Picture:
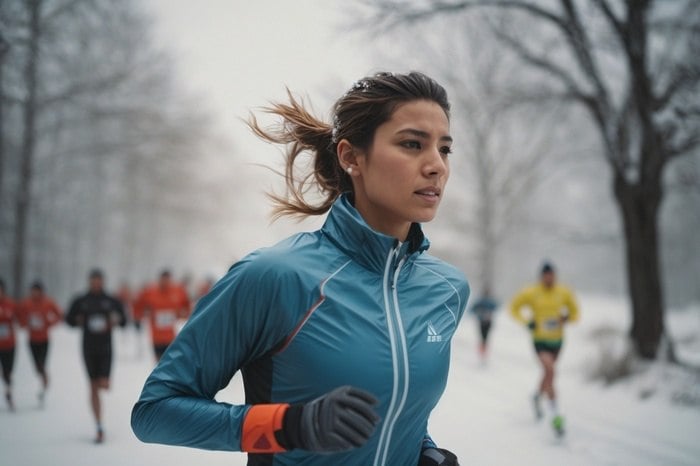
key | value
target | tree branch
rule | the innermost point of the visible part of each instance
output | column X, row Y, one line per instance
column 683, row 76
column 581, row 46
column 685, row 146
column 67, row 7
column 77, row 89
column 617, row 25
column 402, row 15
column 540, row 63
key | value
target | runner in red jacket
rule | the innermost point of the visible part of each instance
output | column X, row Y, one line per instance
column 8, row 318
column 164, row 303
column 38, row 313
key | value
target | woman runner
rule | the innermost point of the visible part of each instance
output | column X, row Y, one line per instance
column 343, row 334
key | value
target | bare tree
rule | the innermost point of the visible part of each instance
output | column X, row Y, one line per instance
column 507, row 146
column 109, row 142
column 633, row 68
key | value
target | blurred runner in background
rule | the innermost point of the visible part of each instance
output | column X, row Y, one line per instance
column 550, row 305
column 483, row 309
column 8, row 318
column 164, row 302
column 97, row 313
column 38, row 313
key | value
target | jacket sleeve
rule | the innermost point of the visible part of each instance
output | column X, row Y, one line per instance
column 230, row 327
column 55, row 314
column 571, row 306
column 428, row 442
column 516, row 304
column 138, row 306
column 73, row 313
column 21, row 312
column 121, row 313
column 14, row 305
column 186, row 304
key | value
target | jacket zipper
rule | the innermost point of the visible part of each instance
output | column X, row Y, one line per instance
column 399, row 354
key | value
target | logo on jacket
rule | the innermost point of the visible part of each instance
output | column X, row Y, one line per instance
column 433, row 335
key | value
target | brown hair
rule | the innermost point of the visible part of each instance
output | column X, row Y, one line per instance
column 368, row 104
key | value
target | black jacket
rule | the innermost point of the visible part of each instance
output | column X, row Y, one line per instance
column 96, row 313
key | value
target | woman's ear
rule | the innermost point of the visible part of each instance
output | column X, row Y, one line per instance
column 347, row 156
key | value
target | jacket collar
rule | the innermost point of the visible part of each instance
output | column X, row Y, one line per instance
column 350, row 233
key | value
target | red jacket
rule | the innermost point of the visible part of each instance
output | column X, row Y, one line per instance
column 163, row 307
column 38, row 316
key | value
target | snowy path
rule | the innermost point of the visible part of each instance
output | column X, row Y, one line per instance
column 605, row 426
column 485, row 416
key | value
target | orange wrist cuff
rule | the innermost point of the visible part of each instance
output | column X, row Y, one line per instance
column 259, row 426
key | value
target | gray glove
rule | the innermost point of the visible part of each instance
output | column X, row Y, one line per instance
column 340, row 420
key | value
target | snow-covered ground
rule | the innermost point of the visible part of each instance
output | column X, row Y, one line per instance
column 484, row 417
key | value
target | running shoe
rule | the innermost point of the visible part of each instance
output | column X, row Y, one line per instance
column 558, row 424
column 100, row 437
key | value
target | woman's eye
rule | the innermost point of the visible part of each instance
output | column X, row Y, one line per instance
column 446, row 150
column 411, row 144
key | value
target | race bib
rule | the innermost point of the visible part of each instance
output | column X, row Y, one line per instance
column 552, row 324
column 165, row 319
column 4, row 331
column 36, row 322
column 97, row 323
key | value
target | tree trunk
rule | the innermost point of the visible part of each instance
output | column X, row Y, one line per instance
column 639, row 206
column 3, row 51
column 27, row 153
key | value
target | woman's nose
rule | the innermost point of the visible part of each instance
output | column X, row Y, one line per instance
column 436, row 163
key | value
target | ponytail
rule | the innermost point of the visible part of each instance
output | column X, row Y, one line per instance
column 302, row 132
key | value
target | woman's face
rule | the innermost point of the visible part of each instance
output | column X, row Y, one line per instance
column 402, row 178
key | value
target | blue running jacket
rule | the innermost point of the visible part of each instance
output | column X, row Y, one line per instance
column 344, row 305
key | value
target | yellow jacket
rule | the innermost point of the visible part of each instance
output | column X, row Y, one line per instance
column 549, row 309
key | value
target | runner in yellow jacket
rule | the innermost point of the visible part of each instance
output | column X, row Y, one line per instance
column 550, row 306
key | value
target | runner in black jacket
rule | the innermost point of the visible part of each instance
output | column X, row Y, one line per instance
column 97, row 313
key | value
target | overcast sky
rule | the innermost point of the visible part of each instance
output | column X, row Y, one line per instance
column 241, row 54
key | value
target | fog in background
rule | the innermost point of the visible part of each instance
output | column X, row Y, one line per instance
column 152, row 166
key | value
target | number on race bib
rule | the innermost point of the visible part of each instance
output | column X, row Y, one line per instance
column 97, row 323
column 552, row 324
column 165, row 319
column 36, row 322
